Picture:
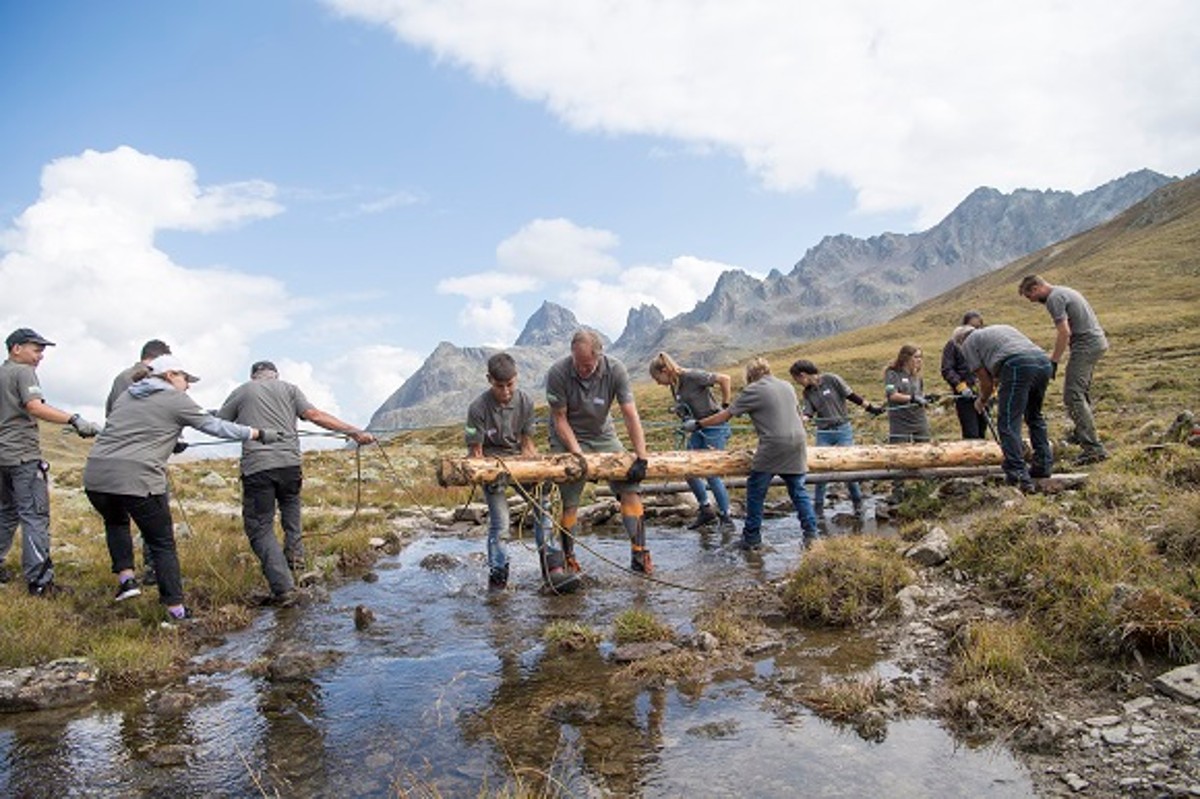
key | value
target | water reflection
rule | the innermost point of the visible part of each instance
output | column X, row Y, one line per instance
column 452, row 691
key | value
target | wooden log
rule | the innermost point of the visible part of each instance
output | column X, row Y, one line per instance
column 562, row 467
column 939, row 473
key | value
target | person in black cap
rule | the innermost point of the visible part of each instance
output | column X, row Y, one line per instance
column 962, row 381
column 24, row 484
column 120, row 385
column 271, row 473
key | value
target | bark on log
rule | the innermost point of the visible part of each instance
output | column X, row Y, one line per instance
column 563, row 468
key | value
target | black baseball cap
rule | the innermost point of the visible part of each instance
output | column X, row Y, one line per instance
column 262, row 366
column 25, row 335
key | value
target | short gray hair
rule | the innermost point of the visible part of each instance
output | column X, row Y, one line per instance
column 961, row 332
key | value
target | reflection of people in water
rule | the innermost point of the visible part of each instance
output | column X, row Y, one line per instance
column 544, row 730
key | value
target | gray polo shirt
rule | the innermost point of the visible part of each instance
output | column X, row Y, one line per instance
column 695, row 389
column 499, row 428
column 826, row 401
column 989, row 347
column 905, row 420
column 119, row 385
column 588, row 401
column 130, row 454
column 18, row 430
column 268, row 404
column 771, row 405
column 1067, row 303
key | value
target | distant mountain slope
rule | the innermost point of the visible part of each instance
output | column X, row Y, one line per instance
column 840, row 284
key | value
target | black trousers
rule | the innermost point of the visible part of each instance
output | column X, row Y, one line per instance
column 152, row 515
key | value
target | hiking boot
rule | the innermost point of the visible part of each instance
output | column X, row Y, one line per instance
column 725, row 523
column 46, row 589
column 1039, row 473
column 498, row 578
column 1088, row 458
column 639, row 561
column 181, row 619
column 750, row 546
column 706, row 517
column 128, row 589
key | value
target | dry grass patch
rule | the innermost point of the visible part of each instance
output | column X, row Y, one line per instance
column 571, row 636
column 731, row 627
column 845, row 700
column 634, row 626
column 845, row 580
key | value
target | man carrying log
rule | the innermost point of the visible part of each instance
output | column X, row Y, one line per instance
column 580, row 390
column 500, row 425
column 1002, row 354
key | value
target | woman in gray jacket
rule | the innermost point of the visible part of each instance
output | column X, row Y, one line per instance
column 126, row 472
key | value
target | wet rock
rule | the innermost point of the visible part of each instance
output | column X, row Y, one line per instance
column 1074, row 781
column 363, row 617
column 702, row 641
column 1138, row 705
column 932, row 550
column 213, row 480
column 440, row 562
column 715, row 730
column 640, row 650
column 60, row 683
column 759, row 648
column 370, row 577
column 1182, row 683
column 294, row 663
column 376, row 542
column 909, row 597
column 168, row 755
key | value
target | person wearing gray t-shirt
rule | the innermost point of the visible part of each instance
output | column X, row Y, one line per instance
column 906, row 400
column 271, row 473
column 1076, row 328
column 1002, row 355
column 580, row 390
column 782, row 448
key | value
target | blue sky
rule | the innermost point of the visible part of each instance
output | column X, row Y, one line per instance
column 340, row 185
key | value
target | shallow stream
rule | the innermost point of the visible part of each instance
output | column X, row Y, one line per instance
column 451, row 692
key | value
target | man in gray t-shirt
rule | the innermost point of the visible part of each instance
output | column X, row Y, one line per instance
column 1076, row 327
column 24, row 476
column 1002, row 355
column 271, row 472
column 581, row 389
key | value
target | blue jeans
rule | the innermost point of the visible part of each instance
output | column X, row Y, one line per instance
column 756, row 495
column 714, row 437
column 840, row 436
column 498, row 519
column 25, row 500
column 1023, row 381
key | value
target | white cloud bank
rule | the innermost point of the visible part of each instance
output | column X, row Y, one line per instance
column 81, row 267
column 913, row 104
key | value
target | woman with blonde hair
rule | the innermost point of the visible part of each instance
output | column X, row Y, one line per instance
column 771, row 405
column 906, row 400
column 692, row 391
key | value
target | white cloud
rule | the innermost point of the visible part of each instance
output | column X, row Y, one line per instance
column 493, row 319
column 80, row 266
column 913, row 104
column 675, row 288
column 366, row 376
column 550, row 248
column 485, row 285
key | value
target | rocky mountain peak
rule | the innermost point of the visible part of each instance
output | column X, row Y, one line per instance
column 549, row 324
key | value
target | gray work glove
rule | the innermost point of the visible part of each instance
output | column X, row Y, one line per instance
column 269, row 436
column 690, row 425
column 919, row 399
column 83, row 427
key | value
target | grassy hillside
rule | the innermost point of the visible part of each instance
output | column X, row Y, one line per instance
column 1141, row 273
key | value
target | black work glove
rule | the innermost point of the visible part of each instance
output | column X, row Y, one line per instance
column 269, row 436
column 1053, row 369
column 637, row 472
column 180, row 446
column 874, row 410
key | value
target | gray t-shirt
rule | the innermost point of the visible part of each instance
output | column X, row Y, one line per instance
column 695, row 391
column 119, row 385
column 588, row 401
column 771, row 405
column 499, row 428
column 906, row 421
column 990, row 346
column 826, row 401
column 18, row 430
column 268, row 404
column 1063, row 302
column 130, row 454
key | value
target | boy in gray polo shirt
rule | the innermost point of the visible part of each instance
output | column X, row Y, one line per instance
column 1077, row 327
column 271, row 473
column 581, row 389
column 24, row 476
column 500, row 425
